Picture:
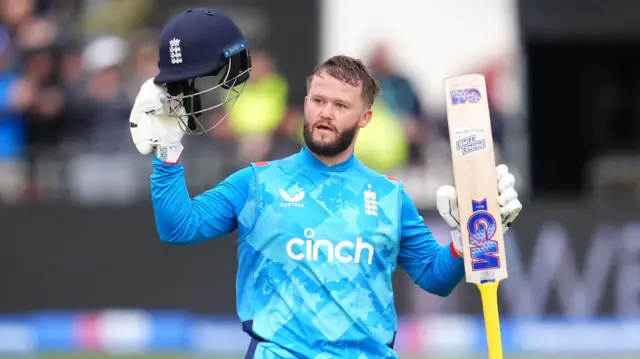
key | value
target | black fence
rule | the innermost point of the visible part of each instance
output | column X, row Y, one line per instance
column 569, row 259
column 64, row 257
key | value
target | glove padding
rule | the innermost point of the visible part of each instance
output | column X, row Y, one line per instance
column 510, row 206
column 152, row 129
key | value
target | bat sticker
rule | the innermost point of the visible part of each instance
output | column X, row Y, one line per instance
column 482, row 227
column 470, row 144
column 471, row 95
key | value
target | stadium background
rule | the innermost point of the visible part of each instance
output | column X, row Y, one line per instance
column 82, row 269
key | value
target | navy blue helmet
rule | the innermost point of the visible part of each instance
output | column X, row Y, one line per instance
column 205, row 45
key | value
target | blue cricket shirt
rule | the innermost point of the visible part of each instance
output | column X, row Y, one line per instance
column 317, row 249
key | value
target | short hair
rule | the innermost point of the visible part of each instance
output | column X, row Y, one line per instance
column 350, row 71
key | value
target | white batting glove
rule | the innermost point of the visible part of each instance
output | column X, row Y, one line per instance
column 510, row 206
column 152, row 129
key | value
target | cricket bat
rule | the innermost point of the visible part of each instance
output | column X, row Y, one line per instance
column 475, row 177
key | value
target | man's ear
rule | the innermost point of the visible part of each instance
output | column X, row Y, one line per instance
column 366, row 118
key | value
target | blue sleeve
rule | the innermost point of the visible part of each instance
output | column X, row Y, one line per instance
column 430, row 265
column 181, row 219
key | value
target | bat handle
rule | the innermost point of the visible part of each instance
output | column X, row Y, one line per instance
column 489, row 296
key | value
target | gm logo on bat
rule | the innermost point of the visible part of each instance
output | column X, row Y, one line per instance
column 482, row 227
column 471, row 95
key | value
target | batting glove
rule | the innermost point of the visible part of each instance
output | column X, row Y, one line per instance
column 152, row 129
column 510, row 206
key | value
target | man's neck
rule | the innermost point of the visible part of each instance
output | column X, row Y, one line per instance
column 334, row 160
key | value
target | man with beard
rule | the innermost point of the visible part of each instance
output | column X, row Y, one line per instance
column 319, row 234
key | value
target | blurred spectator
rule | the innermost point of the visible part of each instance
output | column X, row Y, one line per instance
column 36, row 38
column 258, row 113
column 105, row 106
column 383, row 144
column 102, row 170
column 16, row 95
column 32, row 53
column 400, row 97
column 14, row 13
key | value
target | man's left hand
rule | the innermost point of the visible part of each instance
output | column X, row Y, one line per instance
column 510, row 206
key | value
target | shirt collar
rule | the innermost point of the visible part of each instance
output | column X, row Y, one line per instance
column 314, row 162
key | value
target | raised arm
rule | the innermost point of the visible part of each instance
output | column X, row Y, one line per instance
column 183, row 220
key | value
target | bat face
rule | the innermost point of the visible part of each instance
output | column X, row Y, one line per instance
column 474, row 171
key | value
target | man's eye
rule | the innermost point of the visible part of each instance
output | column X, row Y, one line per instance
column 341, row 105
column 317, row 100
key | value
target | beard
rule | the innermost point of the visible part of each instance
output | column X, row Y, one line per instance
column 340, row 144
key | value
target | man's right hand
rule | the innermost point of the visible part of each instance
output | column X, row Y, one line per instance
column 153, row 128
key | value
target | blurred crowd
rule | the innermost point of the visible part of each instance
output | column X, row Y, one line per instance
column 70, row 71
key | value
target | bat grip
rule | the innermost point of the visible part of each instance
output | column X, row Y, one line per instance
column 489, row 296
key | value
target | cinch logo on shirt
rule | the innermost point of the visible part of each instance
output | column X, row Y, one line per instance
column 346, row 252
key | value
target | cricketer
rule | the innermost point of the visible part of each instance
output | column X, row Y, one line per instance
column 319, row 234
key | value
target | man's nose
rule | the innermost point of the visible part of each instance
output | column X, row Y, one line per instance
column 327, row 112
